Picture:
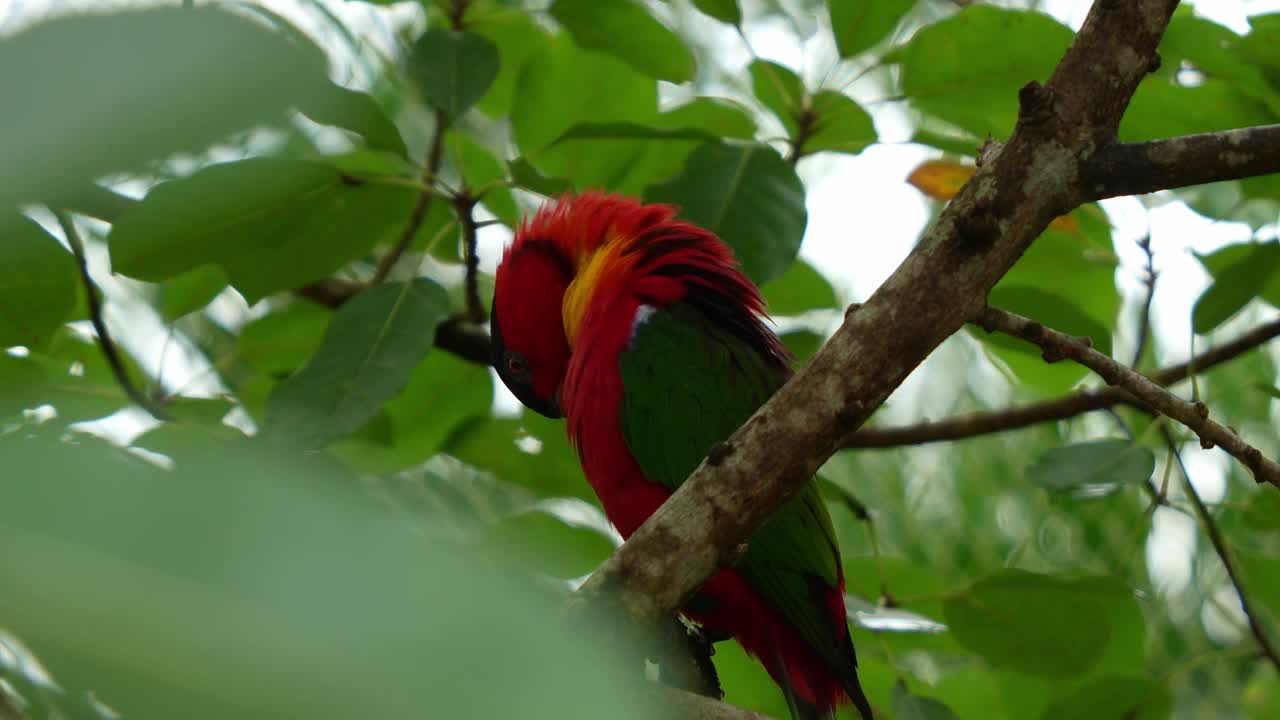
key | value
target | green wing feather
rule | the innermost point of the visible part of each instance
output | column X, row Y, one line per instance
column 687, row 386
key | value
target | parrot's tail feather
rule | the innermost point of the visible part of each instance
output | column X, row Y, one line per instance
column 853, row 689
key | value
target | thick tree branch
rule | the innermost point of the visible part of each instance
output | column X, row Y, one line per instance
column 1013, row 195
column 1139, row 168
column 1078, row 403
column 1224, row 554
column 1195, row 415
column 689, row 706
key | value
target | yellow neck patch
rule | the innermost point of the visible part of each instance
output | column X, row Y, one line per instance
column 591, row 267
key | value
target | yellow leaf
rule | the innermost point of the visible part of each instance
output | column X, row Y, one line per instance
column 940, row 179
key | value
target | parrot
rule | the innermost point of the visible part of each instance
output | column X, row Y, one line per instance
column 642, row 331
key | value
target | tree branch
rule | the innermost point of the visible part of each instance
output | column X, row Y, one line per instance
column 465, row 206
column 435, row 156
column 690, row 706
column 107, row 345
column 1224, row 554
column 1195, row 415
column 1011, row 197
column 1145, row 167
column 1078, row 403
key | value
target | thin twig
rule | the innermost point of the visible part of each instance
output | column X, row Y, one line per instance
column 1224, row 553
column 1144, row 319
column 465, row 206
column 108, row 346
column 985, row 423
column 1195, row 415
column 435, row 156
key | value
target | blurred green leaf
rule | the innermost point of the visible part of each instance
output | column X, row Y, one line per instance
column 357, row 112
column 631, row 131
column 541, row 540
column 1036, row 624
column 1211, row 49
column 443, row 393
column 38, row 282
column 1236, row 285
column 1263, row 510
column 907, row 706
column 626, row 30
column 368, row 354
column 530, row 178
column 121, row 72
column 1161, row 108
column 952, row 70
column 1111, row 696
column 1097, row 462
column 22, row 382
column 271, row 223
column 243, row 554
column 840, row 125
column 281, row 341
column 802, row 344
column 778, row 89
column 479, row 168
column 453, row 69
column 546, row 464
column 190, row 291
column 1232, row 256
column 860, row 24
column 723, row 118
column 566, row 86
column 518, row 38
column 722, row 10
column 748, row 196
column 800, row 289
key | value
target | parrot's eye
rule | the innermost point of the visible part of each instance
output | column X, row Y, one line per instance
column 517, row 367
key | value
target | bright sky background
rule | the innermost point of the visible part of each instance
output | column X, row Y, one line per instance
column 863, row 217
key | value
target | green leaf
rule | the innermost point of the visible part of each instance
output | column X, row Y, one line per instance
column 1222, row 260
column 368, row 354
column 953, row 71
column 917, row 707
column 722, row 10
column 631, row 131
column 22, row 381
column 124, row 70
column 1236, row 285
column 1263, row 510
column 778, row 89
column 723, row 118
column 748, row 196
column 626, row 30
column 1066, row 280
column 479, row 168
column 38, row 281
column 1211, row 49
column 518, row 38
column 1160, row 108
column 800, row 289
column 190, row 291
column 357, row 112
column 802, row 344
column 839, row 125
column 443, row 393
column 530, row 451
column 528, row 177
column 453, row 69
column 566, row 86
column 1111, row 696
column 542, row 541
column 271, row 223
column 1036, row 624
column 280, row 342
column 1097, row 462
column 860, row 24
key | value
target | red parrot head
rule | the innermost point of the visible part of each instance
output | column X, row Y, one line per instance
column 584, row 255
